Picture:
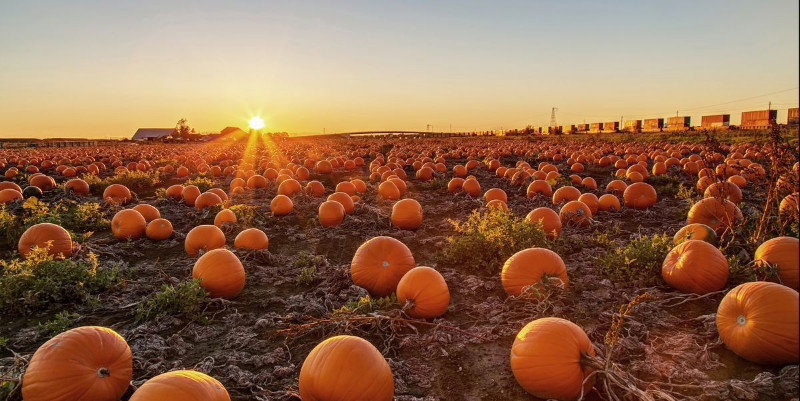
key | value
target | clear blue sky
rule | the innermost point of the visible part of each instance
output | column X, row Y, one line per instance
column 105, row 68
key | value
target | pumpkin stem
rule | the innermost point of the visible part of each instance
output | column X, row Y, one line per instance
column 103, row 372
column 408, row 305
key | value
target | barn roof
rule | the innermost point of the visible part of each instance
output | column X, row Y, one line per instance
column 154, row 133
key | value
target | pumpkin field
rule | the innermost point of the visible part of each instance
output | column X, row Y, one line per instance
column 620, row 267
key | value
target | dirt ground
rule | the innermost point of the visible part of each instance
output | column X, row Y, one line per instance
column 667, row 339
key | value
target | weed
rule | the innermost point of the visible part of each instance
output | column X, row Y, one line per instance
column 201, row 182
column 187, row 299
column 367, row 304
column 434, row 184
column 245, row 214
column 666, row 186
column 639, row 259
column 134, row 180
column 306, row 275
column 59, row 324
column 10, row 229
column 484, row 241
column 34, row 284
column 308, row 264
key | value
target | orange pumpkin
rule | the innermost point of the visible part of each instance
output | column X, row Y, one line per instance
column 759, row 322
column 46, row 235
column 639, row 195
column 566, row 194
column 8, row 195
column 454, row 185
column 407, row 214
column 281, row 205
column 128, row 224
column 724, row 190
column 589, row 199
column 330, row 213
column 695, row 267
column 608, row 202
column 546, row 359
column 203, row 237
column 149, row 212
column 575, row 213
column 788, row 209
column 379, row 264
column 695, row 231
column 207, row 199
column 616, row 187
column 181, row 385
column 159, row 229
column 344, row 199
column 251, row 238
column 45, row 183
column 783, row 254
column 345, row 368
column 220, row 272
column 346, row 187
column 10, row 185
column 539, row 187
column 495, row 194
column 174, row 192
column 77, row 186
column 719, row 214
column 548, row 218
column 289, row 187
column 531, row 268
column 225, row 216
column 86, row 363
column 388, row 190
column 117, row 194
column 471, row 187
column 426, row 291
column 190, row 194
column 315, row 188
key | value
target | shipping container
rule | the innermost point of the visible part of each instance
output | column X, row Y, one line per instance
column 715, row 121
column 582, row 128
column 554, row 130
column 653, row 125
column 792, row 118
column 611, row 127
column 759, row 119
column 633, row 126
column 568, row 129
column 595, row 128
column 680, row 123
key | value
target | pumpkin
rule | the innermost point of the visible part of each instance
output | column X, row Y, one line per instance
column 77, row 186
column 426, row 291
column 128, row 224
column 10, row 185
column 43, row 182
column 719, row 214
column 220, row 272
column 225, row 216
column 159, row 229
column 549, row 220
column 532, row 267
column 203, row 237
column 257, row 181
column 589, row 183
column 724, row 190
column 281, row 205
column 190, row 194
column 86, row 363
column 546, row 359
column 608, row 202
column 344, row 199
column 695, row 231
column 575, row 213
column 323, row 167
column 455, row 184
column 566, row 194
column 289, row 187
column 207, row 199
column 181, row 385
column 496, row 204
column 379, row 264
column 315, row 188
column 759, row 322
column 330, row 213
column 616, row 187
column 783, row 254
column 174, row 192
column 539, row 187
column 695, row 267
column 149, row 212
column 251, row 238
column 346, row 187
column 8, row 195
column 639, row 195
column 46, row 235
column 471, row 187
column 788, row 209
column 495, row 193
column 407, row 214
column 345, row 368
column 360, row 185
column 388, row 190
column 32, row 191
column 590, row 200
column 117, row 194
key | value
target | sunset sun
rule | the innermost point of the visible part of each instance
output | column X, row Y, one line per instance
column 256, row 123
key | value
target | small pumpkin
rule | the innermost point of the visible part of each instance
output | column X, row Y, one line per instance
column 759, row 322
column 281, row 205
column 549, row 220
column 181, row 385
column 719, row 214
column 174, row 192
column 426, row 291
column 149, row 212
column 379, row 264
column 344, row 199
column 252, row 239
column 345, row 368
column 128, row 224
column 159, row 229
column 315, row 188
column 407, row 214
column 575, row 213
column 220, row 272
column 608, row 202
column 695, row 267
column 203, row 237
column 77, row 186
column 88, row 363
column 532, row 267
column 45, row 235
column 783, row 254
column 117, row 194
column 695, row 231
column 330, row 213
column 225, row 216
column 189, row 194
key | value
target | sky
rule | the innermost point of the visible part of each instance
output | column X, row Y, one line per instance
column 102, row 69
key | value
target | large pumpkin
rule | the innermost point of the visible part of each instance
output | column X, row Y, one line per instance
column 546, row 359
column 46, row 235
column 427, row 291
column 77, row 186
column 532, row 267
column 86, row 363
column 783, row 254
column 220, row 272
column 575, row 213
column 207, row 199
column 252, row 239
column 117, row 194
column 281, row 205
column 719, row 214
column 181, row 385
column 549, row 220
column 330, row 213
column 407, row 214
column 639, row 195
column 345, row 368
column 759, row 322
column 203, row 237
column 128, row 224
column 695, row 266
column 379, row 264
column 696, row 231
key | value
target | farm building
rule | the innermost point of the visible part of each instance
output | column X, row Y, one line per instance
column 152, row 134
column 792, row 119
column 653, row 125
column 759, row 119
column 718, row 121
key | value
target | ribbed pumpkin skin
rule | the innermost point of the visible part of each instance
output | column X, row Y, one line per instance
column 548, row 218
column 224, row 215
column 117, row 193
column 407, row 214
column 330, row 213
column 39, row 235
column 545, row 359
column 128, row 224
column 575, row 213
column 281, row 205
column 695, row 267
column 783, row 253
column 344, row 199
column 427, row 289
column 159, row 229
column 205, row 237
column 207, row 199
column 149, row 212
column 251, row 238
column 639, row 195
column 345, row 368
column 528, row 266
column 181, row 385
column 759, row 322
column 221, row 273
column 379, row 264
column 695, row 231
column 65, row 368
column 719, row 214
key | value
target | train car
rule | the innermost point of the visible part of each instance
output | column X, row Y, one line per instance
column 632, row 126
column 653, row 125
column 678, row 123
column 595, row 128
column 568, row 129
column 792, row 118
column 715, row 122
column 582, row 128
column 759, row 119
column 611, row 127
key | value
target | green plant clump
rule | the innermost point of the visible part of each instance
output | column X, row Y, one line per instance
column 639, row 260
column 59, row 324
column 367, row 304
column 201, row 182
column 187, row 298
column 484, row 241
column 134, row 180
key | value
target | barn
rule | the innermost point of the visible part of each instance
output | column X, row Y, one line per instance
column 152, row 134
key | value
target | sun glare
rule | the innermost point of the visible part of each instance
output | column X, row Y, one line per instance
column 256, row 123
